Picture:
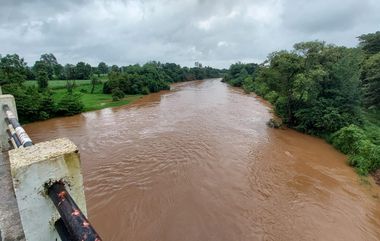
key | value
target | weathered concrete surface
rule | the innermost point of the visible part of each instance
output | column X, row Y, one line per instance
column 34, row 166
column 10, row 223
column 10, row 101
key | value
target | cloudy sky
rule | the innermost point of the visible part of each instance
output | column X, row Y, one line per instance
column 216, row 33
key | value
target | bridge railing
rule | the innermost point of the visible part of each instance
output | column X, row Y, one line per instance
column 43, row 171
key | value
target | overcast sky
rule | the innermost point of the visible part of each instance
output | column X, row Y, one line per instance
column 216, row 33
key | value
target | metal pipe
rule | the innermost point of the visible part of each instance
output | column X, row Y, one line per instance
column 77, row 225
column 20, row 132
column 12, row 133
column 11, row 140
column 61, row 230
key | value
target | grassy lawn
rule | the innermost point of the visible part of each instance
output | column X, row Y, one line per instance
column 58, row 84
column 97, row 100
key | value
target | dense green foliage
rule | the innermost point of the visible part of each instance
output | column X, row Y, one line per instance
column 240, row 75
column 323, row 90
column 152, row 77
column 70, row 104
column 136, row 79
column 31, row 104
column 363, row 154
column 370, row 44
column 12, row 69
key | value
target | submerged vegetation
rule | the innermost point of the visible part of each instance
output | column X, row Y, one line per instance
column 324, row 90
column 48, row 89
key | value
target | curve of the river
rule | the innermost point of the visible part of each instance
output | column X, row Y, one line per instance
column 199, row 163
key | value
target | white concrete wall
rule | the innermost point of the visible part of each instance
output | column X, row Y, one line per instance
column 10, row 101
column 34, row 166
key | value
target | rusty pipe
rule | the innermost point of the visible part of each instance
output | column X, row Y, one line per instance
column 77, row 225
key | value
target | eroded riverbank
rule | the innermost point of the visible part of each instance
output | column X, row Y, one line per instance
column 199, row 163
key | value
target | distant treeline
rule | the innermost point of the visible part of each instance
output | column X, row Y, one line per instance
column 37, row 103
column 153, row 77
column 323, row 89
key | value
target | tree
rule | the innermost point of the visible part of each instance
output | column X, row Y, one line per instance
column 314, row 88
column 70, row 104
column 31, row 104
column 42, row 79
column 69, row 72
column 59, row 71
column 94, row 81
column 115, row 68
column 370, row 43
column 371, row 81
column 12, row 69
column 51, row 62
column 103, row 68
column 40, row 66
column 83, row 71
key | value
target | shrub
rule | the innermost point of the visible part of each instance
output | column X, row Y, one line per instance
column 260, row 89
column 271, row 96
column 70, row 104
column 144, row 90
column 347, row 139
column 31, row 104
column 363, row 154
column 117, row 94
column 107, row 88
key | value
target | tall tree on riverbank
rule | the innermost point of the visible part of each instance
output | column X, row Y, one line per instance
column 370, row 44
column 371, row 81
column 42, row 79
column 12, row 69
column 314, row 87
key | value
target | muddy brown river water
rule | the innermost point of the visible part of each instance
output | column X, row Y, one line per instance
column 199, row 163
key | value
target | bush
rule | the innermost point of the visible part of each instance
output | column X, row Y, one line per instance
column 144, row 90
column 107, row 88
column 31, row 104
column 117, row 94
column 70, row 104
column 363, row 154
column 271, row 96
column 347, row 139
column 260, row 89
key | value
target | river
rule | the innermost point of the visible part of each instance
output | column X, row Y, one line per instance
column 198, row 163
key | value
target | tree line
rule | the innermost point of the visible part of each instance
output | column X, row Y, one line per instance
column 152, row 77
column 323, row 89
column 37, row 102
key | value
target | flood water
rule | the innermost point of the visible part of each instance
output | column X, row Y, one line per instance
column 198, row 163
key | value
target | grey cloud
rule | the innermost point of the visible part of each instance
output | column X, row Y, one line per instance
column 216, row 33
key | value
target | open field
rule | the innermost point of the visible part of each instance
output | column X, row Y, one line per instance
column 59, row 84
column 97, row 100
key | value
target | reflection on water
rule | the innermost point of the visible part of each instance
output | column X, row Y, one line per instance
column 199, row 163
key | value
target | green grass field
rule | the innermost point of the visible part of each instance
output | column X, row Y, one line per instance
column 97, row 100
column 59, row 84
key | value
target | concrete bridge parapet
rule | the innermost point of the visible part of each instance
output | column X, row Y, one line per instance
column 34, row 167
